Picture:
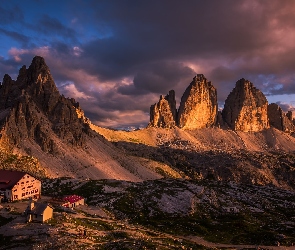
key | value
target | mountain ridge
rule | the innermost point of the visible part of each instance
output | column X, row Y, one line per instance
column 37, row 121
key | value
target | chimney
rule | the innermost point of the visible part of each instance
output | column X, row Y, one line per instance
column 31, row 204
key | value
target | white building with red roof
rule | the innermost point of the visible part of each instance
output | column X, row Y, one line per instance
column 16, row 185
column 69, row 201
column 72, row 200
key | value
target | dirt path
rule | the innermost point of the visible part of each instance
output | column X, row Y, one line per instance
column 201, row 241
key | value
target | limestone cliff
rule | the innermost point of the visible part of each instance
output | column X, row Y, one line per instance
column 280, row 120
column 163, row 113
column 198, row 107
column 245, row 108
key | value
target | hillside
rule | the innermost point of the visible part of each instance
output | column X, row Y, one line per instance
column 36, row 120
column 265, row 157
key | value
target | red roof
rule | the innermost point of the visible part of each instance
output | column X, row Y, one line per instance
column 9, row 178
column 72, row 198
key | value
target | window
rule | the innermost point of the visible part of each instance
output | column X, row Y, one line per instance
column 36, row 191
column 23, row 194
column 16, row 197
column 32, row 191
column 28, row 176
column 26, row 193
column 22, row 183
column 27, row 181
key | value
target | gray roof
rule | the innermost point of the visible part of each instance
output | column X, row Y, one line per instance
column 39, row 208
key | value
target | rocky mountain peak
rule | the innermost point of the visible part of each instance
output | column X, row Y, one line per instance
column 244, row 84
column 39, row 77
column 37, row 110
column 245, row 108
column 38, row 66
column 198, row 107
column 163, row 114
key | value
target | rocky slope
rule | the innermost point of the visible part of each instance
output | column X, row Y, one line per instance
column 245, row 108
column 37, row 121
column 223, row 212
column 159, row 214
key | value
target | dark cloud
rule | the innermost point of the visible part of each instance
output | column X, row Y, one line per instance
column 16, row 36
column 53, row 27
column 158, row 78
column 130, row 89
column 133, row 51
column 239, row 37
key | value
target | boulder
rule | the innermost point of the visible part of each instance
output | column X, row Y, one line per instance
column 245, row 108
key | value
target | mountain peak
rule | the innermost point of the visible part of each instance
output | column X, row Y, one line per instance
column 245, row 108
column 198, row 107
column 38, row 111
column 39, row 61
column 39, row 71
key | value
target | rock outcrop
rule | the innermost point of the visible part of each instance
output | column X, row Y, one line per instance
column 163, row 114
column 280, row 120
column 198, row 107
column 245, row 108
column 32, row 107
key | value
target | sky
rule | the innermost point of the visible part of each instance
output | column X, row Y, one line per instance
column 117, row 57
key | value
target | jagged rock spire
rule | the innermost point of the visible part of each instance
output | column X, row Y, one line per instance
column 163, row 114
column 36, row 110
column 280, row 120
column 198, row 107
column 245, row 108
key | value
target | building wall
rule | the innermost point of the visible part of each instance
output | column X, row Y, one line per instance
column 80, row 202
column 26, row 187
column 48, row 213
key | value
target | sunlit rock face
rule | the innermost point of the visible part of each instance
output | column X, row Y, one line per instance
column 198, row 107
column 245, row 108
column 280, row 120
column 163, row 113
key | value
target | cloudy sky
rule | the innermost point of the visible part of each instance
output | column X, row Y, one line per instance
column 117, row 57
